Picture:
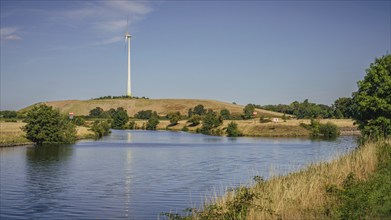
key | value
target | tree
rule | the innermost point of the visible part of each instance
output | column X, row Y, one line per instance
column 248, row 111
column 8, row 114
column 195, row 120
column 343, row 107
column 174, row 117
column 225, row 114
column 210, row 120
column 372, row 102
column 232, row 130
column 120, row 118
column 199, row 110
column 96, row 112
column 144, row 114
column 152, row 122
column 45, row 125
column 100, row 128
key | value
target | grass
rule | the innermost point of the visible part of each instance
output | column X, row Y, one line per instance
column 290, row 128
column 11, row 133
column 161, row 106
column 317, row 192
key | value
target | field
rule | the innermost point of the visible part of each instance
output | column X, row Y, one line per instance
column 161, row 106
column 11, row 133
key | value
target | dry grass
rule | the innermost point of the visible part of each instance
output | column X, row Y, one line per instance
column 11, row 133
column 161, row 106
column 301, row 195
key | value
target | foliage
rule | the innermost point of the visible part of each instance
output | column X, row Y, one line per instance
column 199, row 110
column 131, row 125
column 120, row 118
column 343, row 107
column 328, row 130
column 232, row 130
column 174, row 117
column 264, row 120
column 303, row 109
column 372, row 101
column 144, row 114
column 79, row 121
column 185, row 128
column 210, row 120
column 100, row 128
column 8, row 114
column 195, row 120
column 96, row 112
column 152, row 122
column 248, row 111
column 225, row 114
column 47, row 125
column 366, row 199
column 119, row 97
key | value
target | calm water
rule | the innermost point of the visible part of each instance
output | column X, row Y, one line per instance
column 139, row 174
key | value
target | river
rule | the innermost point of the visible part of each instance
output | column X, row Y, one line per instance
column 140, row 174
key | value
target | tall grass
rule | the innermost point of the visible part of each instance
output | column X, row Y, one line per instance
column 300, row 195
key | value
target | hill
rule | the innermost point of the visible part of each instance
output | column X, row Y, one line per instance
column 161, row 106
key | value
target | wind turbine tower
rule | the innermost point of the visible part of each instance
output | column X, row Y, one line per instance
column 127, row 38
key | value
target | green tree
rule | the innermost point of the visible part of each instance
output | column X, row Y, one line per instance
column 372, row 102
column 144, row 114
column 210, row 120
column 195, row 120
column 343, row 107
column 174, row 117
column 225, row 114
column 152, row 122
column 120, row 118
column 96, row 112
column 45, row 125
column 199, row 110
column 232, row 130
column 8, row 114
column 100, row 128
column 248, row 111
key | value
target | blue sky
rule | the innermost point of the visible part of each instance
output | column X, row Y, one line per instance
column 262, row 52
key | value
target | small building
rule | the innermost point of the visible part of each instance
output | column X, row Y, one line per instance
column 275, row 120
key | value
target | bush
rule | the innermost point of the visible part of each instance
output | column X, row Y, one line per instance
column 328, row 130
column 120, row 118
column 46, row 125
column 79, row 121
column 8, row 114
column 174, row 117
column 232, row 130
column 131, row 125
column 100, row 128
column 210, row 120
column 152, row 123
column 194, row 120
column 185, row 128
column 248, row 111
column 225, row 114
column 144, row 114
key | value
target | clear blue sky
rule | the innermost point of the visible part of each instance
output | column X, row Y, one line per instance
column 262, row 52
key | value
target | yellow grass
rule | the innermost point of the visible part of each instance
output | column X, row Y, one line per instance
column 302, row 195
column 12, row 134
column 161, row 106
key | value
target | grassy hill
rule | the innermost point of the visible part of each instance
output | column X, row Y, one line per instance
column 161, row 106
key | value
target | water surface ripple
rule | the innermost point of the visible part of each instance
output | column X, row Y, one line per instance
column 139, row 174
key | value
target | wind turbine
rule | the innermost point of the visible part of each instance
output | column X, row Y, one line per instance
column 127, row 38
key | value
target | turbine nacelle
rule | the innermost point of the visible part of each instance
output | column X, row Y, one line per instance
column 127, row 35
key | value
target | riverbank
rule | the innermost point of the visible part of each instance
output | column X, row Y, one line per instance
column 11, row 134
column 352, row 185
column 254, row 128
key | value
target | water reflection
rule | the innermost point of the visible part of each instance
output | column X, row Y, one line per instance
column 46, row 172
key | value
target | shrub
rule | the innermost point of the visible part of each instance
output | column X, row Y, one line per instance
column 152, row 123
column 144, row 114
column 225, row 114
column 174, row 117
column 195, row 120
column 100, row 128
column 232, row 130
column 47, row 125
column 120, row 118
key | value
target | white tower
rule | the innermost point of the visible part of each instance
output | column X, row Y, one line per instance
column 127, row 38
